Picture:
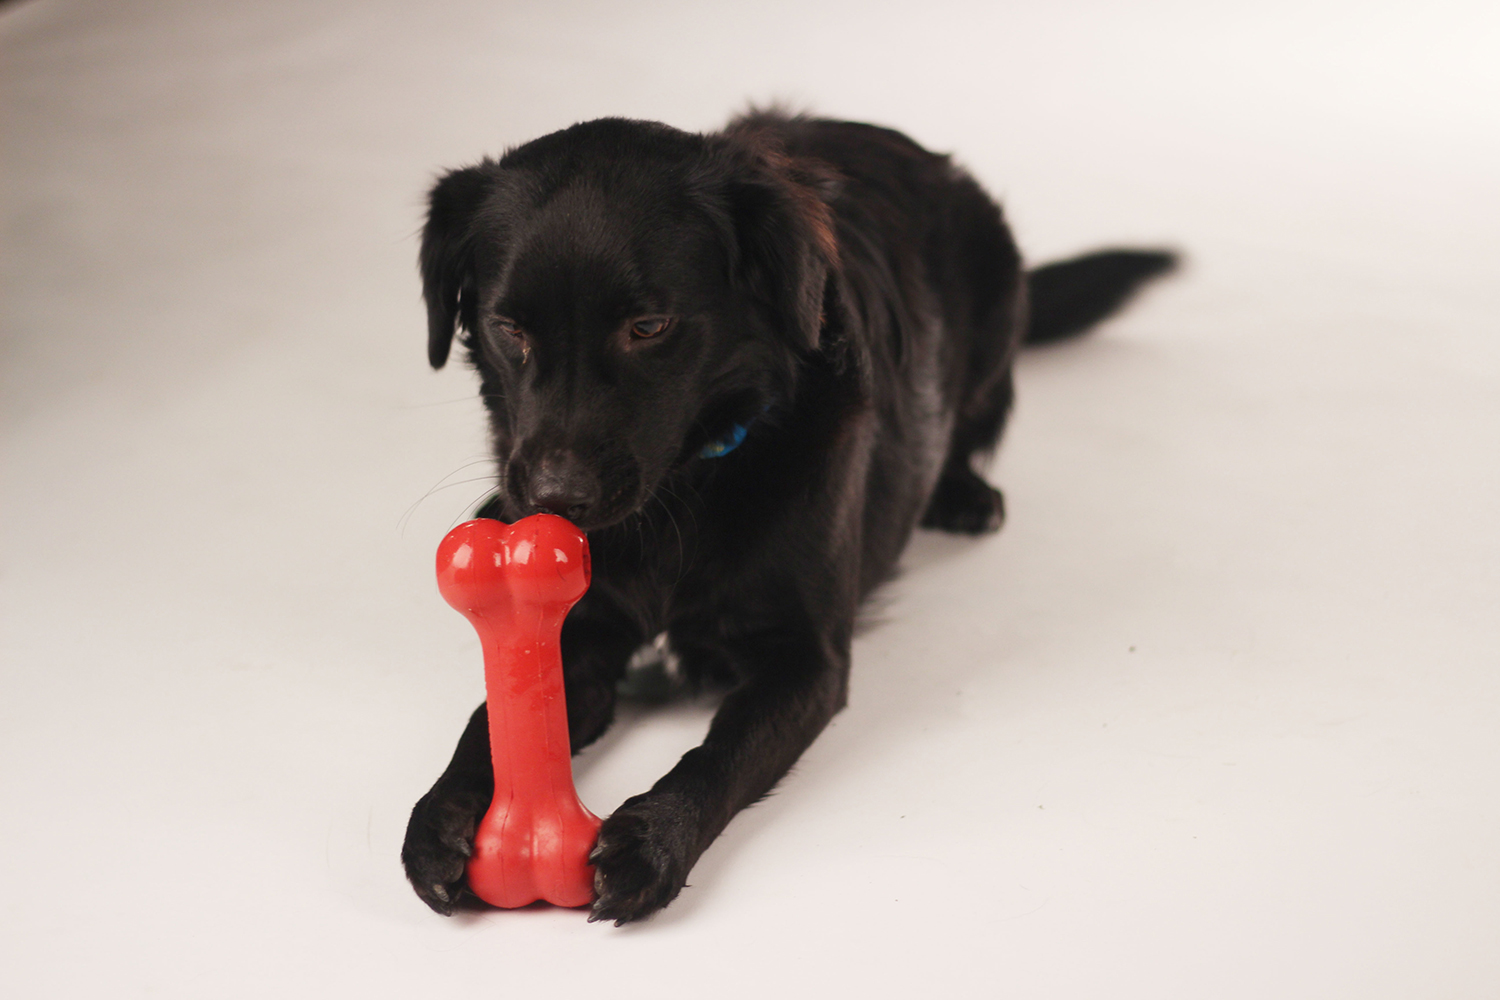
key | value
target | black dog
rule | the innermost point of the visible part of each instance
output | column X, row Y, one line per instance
column 748, row 364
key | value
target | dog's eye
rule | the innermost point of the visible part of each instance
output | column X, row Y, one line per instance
column 654, row 326
column 509, row 327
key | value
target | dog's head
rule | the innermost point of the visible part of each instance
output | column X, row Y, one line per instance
column 629, row 293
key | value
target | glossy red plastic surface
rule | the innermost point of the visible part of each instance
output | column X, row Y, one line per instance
column 515, row 584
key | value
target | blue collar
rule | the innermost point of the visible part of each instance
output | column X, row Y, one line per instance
column 724, row 445
column 731, row 439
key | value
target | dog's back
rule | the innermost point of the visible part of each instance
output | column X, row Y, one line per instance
column 931, row 288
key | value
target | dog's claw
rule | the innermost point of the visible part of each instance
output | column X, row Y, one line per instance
column 460, row 845
column 641, row 860
column 439, row 842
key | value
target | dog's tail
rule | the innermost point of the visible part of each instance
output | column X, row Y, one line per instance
column 1072, row 295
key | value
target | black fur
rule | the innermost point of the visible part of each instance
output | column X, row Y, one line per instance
column 1072, row 295
column 853, row 299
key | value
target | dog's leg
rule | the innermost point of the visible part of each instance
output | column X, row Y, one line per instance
column 649, row 845
column 596, row 648
column 440, row 833
column 439, row 837
column 963, row 502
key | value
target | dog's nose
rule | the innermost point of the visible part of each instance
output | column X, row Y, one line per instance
column 561, row 484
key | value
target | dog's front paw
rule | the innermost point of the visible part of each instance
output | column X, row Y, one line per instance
column 964, row 503
column 642, row 858
column 439, row 841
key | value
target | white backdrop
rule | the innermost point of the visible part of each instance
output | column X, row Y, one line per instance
column 1217, row 714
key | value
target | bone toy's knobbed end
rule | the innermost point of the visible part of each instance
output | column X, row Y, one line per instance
column 543, row 559
column 470, row 568
column 551, row 555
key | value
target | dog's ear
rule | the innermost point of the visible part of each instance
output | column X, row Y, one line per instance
column 783, row 246
column 447, row 255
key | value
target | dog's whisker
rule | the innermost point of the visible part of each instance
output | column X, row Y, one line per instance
column 440, row 402
column 441, row 484
column 475, row 504
column 681, row 546
column 682, row 560
column 688, row 508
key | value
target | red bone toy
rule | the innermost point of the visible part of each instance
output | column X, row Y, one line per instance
column 515, row 584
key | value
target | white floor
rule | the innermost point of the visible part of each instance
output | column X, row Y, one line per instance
column 1217, row 715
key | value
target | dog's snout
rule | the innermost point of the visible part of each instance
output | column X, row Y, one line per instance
column 562, row 484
